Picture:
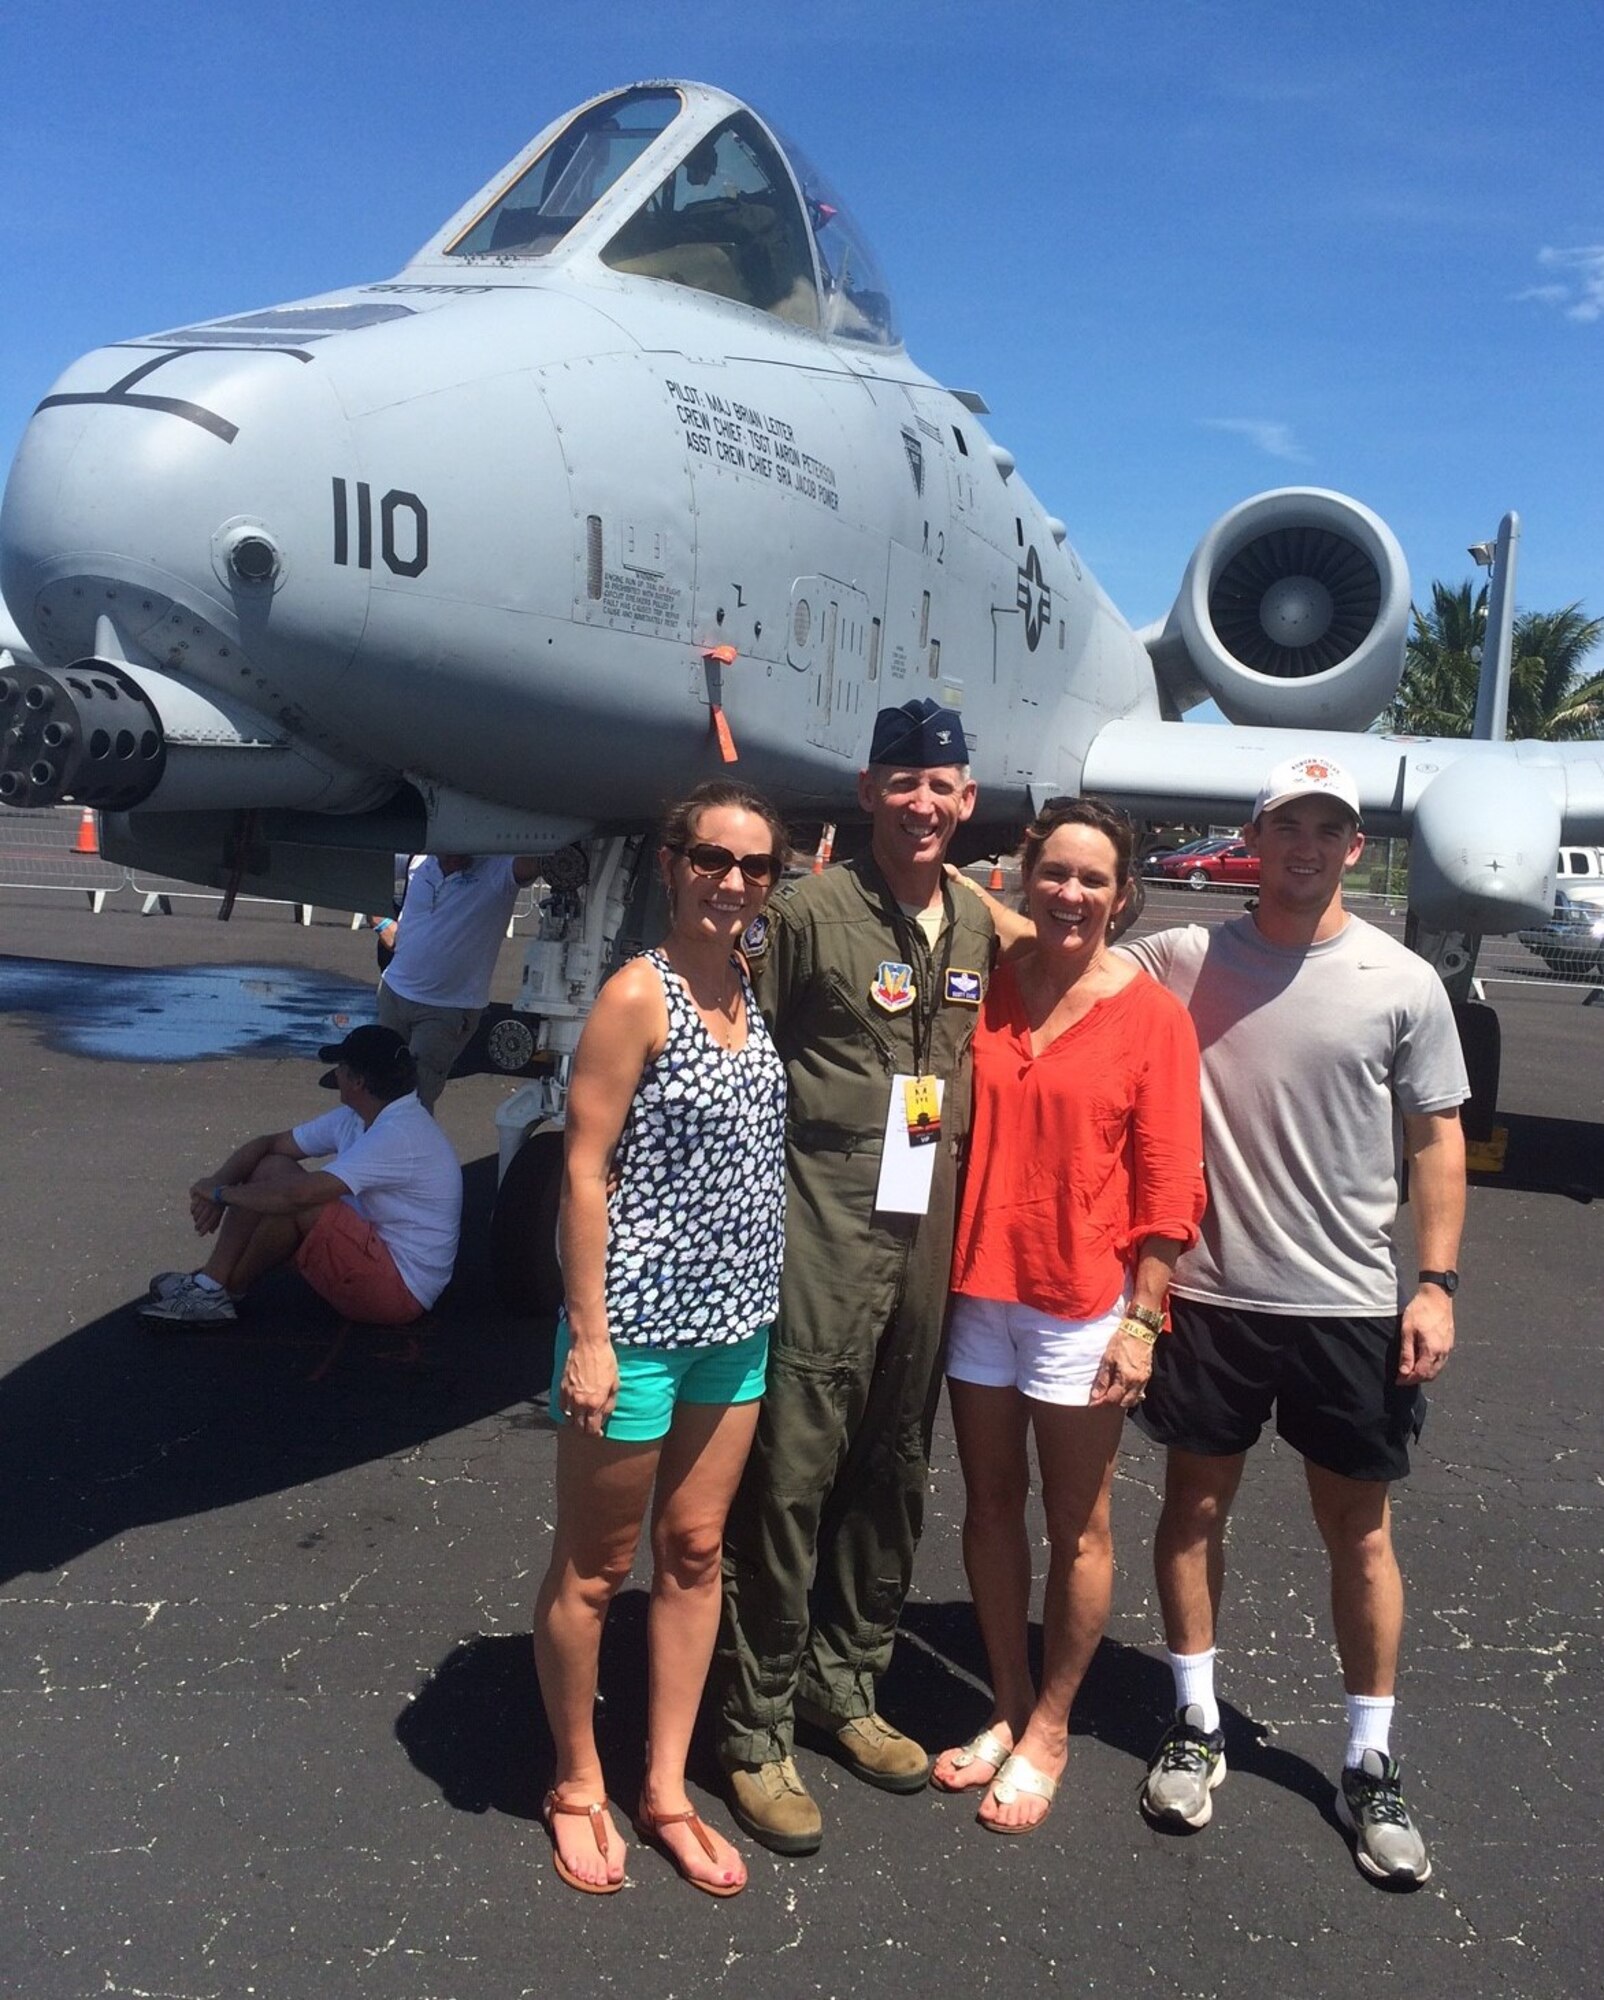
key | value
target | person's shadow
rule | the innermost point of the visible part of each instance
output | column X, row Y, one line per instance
column 477, row 1728
column 115, row 1426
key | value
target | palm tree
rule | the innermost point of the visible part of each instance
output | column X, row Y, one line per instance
column 1550, row 697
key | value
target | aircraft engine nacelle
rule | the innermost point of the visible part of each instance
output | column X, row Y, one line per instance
column 1293, row 614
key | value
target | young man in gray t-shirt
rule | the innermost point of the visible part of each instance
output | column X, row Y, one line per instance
column 1320, row 1037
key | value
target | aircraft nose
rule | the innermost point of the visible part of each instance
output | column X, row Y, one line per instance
column 183, row 494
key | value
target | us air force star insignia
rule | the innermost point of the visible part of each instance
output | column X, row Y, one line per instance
column 964, row 988
column 893, row 988
column 755, row 939
column 1035, row 598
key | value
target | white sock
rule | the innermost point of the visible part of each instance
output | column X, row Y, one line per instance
column 1369, row 1723
column 1194, row 1684
column 207, row 1284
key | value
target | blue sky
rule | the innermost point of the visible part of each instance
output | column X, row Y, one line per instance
column 1186, row 250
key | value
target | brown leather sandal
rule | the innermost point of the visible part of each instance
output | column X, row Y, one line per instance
column 649, row 1826
column 598, row 1827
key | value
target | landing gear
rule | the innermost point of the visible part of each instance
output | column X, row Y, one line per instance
column 510, row 1045
column 1453, row 955
column 596, row 900
column 523, row 1228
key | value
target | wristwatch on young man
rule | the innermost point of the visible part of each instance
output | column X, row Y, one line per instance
column 1448, row 1281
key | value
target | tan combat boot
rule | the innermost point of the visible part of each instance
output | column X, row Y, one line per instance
column 870, row 1748
column 773, row 1805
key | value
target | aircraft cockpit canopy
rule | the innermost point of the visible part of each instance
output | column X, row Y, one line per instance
column 731, row 217
column 562, row 184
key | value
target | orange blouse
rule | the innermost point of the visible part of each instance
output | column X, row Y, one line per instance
column 1079, row 1153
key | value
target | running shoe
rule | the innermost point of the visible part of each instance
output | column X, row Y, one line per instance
column 191, row 1304
column 1186, row 1767
column 1386, row 1842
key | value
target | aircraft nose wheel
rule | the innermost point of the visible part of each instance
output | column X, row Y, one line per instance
column 523, row 1228
column 510, row 1045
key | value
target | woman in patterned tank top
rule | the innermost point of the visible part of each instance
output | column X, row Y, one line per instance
column 671, row 1233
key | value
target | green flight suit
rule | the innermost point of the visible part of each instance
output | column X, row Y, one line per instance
column 820, row 1542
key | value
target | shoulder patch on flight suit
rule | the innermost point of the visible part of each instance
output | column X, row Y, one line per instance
column 755, row 938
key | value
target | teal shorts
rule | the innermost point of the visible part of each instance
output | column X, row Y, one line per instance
column 651, row 1380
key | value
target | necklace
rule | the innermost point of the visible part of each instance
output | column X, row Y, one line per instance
column 722, row 1016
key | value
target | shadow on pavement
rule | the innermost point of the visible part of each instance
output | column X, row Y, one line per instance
column 114, row 1427
column 1549, row 1156
column 477, row 1729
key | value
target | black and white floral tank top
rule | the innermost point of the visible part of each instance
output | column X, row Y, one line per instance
column 696, row 1216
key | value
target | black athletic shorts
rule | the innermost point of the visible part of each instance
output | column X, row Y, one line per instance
column 1332, row 1383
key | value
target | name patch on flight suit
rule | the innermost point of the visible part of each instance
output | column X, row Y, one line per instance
column 965, row 989
column 893, row 990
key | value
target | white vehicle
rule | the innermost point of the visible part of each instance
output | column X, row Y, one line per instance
column 1580, row 874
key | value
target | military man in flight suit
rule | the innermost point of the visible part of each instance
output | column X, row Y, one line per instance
column 871, row 977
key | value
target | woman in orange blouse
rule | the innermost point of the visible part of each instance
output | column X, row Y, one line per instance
column 1084, row 1185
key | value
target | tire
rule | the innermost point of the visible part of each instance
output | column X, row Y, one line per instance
column 1481, row 1040
column 523, row 1229
column 1197, row 879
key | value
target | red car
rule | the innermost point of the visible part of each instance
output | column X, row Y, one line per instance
column 1231, row 865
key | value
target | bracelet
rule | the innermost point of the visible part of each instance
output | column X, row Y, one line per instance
column 1149, row 1316
column 217, row 1196
column 1134, row 1329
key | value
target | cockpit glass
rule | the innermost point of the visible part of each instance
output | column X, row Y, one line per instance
column 726, row 221
column 857, row 305
column 567, row 180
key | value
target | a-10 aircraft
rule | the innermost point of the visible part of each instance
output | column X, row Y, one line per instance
column 626, row 478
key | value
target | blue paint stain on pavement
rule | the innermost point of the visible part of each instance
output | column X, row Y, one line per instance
column 186, row 1013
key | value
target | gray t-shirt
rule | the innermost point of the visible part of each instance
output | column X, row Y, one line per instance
column 1309, row 1058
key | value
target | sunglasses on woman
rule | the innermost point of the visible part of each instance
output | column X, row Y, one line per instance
column 707, row 859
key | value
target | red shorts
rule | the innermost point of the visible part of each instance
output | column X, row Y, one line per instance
column 345, row 1260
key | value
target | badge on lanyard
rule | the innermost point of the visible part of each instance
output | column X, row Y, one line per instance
column 921, row 1100
column 893, row 990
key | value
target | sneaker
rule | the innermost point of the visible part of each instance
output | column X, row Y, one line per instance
column 870, row 1748
column 1386, row 1842
column 165, row 1283
column 191, row 1304
column 774, row 1806
column 1186, row 1767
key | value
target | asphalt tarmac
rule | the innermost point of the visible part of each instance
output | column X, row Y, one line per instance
column 272, row 1728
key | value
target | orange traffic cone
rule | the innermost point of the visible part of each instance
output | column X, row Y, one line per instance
column 88, row 841
column 995, row 885
column 826, row 847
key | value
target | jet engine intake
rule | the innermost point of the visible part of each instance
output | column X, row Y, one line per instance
column 1293, row 613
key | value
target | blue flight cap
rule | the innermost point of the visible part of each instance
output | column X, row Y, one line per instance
column 919, row 736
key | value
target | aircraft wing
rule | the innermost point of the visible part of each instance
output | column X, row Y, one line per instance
column 1485, row 820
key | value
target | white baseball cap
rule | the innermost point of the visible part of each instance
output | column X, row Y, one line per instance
column 1307, row 777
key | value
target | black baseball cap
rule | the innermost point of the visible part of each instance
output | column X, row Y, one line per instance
column 377, row 1055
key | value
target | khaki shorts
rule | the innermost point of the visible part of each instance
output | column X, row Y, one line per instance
column 345, row 1260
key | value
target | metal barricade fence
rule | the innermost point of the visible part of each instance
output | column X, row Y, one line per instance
column 55, row 851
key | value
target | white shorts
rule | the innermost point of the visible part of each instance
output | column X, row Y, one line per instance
column 1003, row 1346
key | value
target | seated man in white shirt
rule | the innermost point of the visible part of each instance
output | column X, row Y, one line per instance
column 374, row 1231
